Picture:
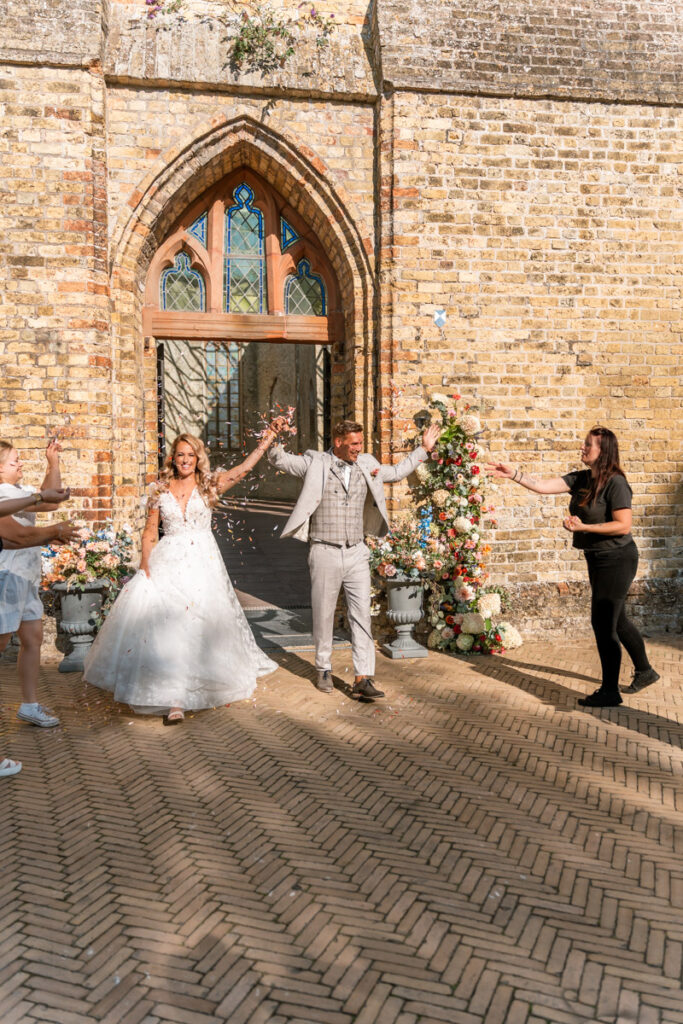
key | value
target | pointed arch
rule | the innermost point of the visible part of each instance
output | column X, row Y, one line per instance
column 313, row 200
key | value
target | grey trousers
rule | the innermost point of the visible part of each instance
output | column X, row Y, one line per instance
column 332, row 568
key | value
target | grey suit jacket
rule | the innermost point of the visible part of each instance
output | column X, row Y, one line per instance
column 314, row 468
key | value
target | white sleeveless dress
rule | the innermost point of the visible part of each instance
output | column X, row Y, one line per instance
column 179, row 638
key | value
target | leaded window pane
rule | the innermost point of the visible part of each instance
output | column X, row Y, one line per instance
column 198, row 228
column 223, row 427
column 305, row 292
column 182, row 288
column 244, row 270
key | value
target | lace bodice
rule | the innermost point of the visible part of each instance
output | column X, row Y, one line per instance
column 197, row 513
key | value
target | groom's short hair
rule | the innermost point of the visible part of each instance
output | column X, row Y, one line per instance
column 345, row 427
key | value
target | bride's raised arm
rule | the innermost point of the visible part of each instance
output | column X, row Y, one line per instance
column 229, row 477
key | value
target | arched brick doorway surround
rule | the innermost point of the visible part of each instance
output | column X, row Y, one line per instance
column 177, row 179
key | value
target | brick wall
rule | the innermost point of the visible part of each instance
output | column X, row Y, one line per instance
column 623, row 50
column 550, row 233
column 54, row 333
column 518, row 168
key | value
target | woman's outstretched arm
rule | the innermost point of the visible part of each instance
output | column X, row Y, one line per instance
column 228, row 478
column 540, row 485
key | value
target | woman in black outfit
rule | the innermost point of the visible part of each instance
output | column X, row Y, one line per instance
column 600, row 520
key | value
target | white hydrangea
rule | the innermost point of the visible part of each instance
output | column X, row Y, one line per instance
column 489, row 605
column 439, row 398
column 434, row 639
column 473, row 622
column 462, row 524
column 422, row 472
column 440, row 497
column 470, row 424
column 511, row 636
column 464, row 642
column 463, row 502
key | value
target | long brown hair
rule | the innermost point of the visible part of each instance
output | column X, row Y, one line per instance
column 206, row 480
column 606, row 466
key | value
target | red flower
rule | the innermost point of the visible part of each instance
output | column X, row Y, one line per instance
column 474, row 470
column 450, row 619
column 498, row 638
column 457, row 629
column 458, row 461
column 443, row 516
column 374, row 472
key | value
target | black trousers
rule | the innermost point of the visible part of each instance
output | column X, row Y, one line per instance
column 611, row 573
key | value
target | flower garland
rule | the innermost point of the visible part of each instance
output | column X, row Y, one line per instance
column 463, row 610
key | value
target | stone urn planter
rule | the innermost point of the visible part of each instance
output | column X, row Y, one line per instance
column 80, row 610
column 404, row 611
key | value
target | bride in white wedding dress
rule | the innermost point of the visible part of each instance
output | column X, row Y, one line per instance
column 176, row 638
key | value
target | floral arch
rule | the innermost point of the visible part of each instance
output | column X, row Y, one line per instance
column 240, row 264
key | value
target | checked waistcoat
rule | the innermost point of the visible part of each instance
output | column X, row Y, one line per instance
column 338, row 518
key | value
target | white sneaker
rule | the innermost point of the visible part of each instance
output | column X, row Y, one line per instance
column 36, row 714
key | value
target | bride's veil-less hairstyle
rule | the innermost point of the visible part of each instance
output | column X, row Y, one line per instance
column 607, row 464
column 206, row 480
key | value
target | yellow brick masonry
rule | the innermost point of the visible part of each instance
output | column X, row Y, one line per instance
column 550, row 232
column 55, row 356
column 549, row 229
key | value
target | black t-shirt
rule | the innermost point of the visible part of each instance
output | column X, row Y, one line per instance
column 615, row 494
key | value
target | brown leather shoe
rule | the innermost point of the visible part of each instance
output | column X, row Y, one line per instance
column 365, row 687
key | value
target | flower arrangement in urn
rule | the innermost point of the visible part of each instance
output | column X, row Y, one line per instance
column 464, row 612
column 98, row 553
column 408, row 552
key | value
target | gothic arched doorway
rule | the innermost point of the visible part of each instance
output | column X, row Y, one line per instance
column 243, row 305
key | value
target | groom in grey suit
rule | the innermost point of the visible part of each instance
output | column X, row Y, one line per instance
column 342, row 500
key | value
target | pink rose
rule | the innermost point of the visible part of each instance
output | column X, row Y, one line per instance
column 390, row 570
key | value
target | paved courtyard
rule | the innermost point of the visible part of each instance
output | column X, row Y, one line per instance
column 473, row 849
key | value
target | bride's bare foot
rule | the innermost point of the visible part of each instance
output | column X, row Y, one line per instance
column 175, row 715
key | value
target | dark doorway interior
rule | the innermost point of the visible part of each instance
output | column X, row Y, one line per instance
column 219, row 391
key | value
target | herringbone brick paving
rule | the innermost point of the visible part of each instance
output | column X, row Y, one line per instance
column 476, row 849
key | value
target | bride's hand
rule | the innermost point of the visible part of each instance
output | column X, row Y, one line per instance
column 277, row 424
column 144, row 567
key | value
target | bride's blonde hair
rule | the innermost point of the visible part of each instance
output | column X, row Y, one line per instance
column 206, row 480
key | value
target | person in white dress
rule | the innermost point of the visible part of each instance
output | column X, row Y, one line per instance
column 10, row 507
column 21, row 609
column 176, row 638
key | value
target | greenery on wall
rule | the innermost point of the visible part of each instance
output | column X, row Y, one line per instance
column 260, row 38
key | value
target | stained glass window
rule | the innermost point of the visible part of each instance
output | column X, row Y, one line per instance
column 244, row 274
column 198, row 228
column 288, row 235
column 305, row 292
column 223, row 426
column 182, row 288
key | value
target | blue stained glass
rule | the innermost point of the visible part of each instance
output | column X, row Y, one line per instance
column 182, row 288
column 198, row 228
column 287, row 234
column 244, row 273
column 305, row 292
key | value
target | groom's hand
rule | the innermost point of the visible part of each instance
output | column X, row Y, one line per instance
column 430, row 437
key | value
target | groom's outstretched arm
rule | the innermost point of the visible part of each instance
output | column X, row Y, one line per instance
column 295, row 465
column 408, row 465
